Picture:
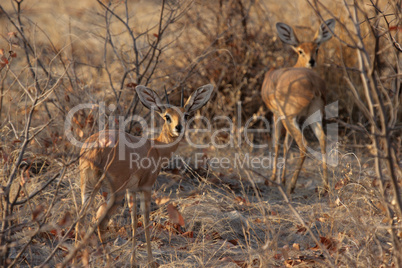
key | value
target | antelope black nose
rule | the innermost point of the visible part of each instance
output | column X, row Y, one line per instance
column 311, row 62
column 179, row 128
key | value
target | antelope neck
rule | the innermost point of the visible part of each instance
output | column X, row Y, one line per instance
column 166, row 139
column 299, row 64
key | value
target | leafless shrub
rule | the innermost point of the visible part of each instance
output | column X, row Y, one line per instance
column 97, row 53
column 377, row 96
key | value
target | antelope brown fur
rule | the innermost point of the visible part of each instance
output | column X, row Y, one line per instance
column 294, row 92
column 106, row 158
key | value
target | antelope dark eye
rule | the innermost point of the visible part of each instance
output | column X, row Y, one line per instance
column 168, row 119
column 300, row 52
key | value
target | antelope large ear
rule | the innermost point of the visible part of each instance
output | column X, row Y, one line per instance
column 286, row 34
column 325, row 31
column 150, row 99
column 199, row 98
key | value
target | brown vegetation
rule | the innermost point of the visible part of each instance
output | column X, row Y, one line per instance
column 56, row 55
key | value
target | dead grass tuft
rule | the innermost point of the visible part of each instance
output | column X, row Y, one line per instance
column 74, row 52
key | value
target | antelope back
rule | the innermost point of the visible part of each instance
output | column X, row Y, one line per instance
column 289, row 91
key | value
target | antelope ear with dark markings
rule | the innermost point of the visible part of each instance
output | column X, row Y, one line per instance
column 199, row 98
column 286, row 34
column 325, row 31
column 150, row 99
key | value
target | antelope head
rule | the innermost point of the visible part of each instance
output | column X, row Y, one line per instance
column 175, row 117
column 307, row 51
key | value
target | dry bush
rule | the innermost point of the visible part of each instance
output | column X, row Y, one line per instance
column 224, row 42
column 92, row 52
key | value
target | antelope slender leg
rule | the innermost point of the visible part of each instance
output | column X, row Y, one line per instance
column 103, row 215
column 319, row 133
column 286, row 145
column 292, row 184
column 292, row 127
column 146, row 202
column 277, row 135
column 132, row 201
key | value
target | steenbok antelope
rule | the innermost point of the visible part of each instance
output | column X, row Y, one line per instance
column 297, row 91
column 118, row 161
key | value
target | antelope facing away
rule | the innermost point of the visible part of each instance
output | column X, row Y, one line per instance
column 118, row 161
column 297, row 91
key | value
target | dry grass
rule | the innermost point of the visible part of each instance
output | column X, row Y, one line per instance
column 228, row 222
column 232, row 217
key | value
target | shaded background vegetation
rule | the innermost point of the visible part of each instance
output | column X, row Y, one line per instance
column 58, row 54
